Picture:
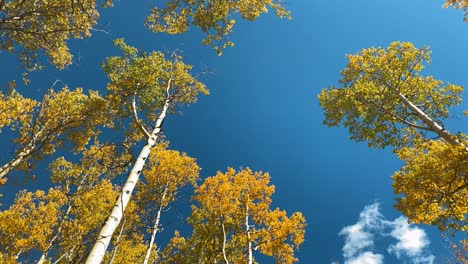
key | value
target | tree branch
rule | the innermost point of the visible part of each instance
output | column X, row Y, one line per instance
column 137, row 121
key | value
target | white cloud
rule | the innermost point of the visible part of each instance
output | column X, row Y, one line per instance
column 359, row 239
column 412, row 241
column 366, row 258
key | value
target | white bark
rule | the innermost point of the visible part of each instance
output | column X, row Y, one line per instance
column 102, row 243
column 24, row 153
column 429, row 122
column 6, row 168
column 247, row 227
column 224, row 245
column 155, row 229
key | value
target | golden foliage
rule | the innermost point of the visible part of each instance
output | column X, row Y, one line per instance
column 214, row 18
column 31, row 27
column 225, row 201
column 15, row 110
column 458, row 4
column 434, row 185
column 62, row 118
column 167, row 172
column 30, row 221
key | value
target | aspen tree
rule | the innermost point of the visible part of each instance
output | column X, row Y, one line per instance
column 233, row 219
column 167, row 172
column 158, row 85
column 58, row 222
column 385, row 100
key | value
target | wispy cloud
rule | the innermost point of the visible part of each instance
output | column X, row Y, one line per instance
column 360, row 237
column 366, row 258
column 411, row 242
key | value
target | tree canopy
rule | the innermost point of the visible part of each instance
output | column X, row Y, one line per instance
column 385, row 100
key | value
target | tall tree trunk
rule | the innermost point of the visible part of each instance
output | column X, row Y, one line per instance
column 436, row 128
column 102, row 243
column 247, row 227
column 155, row 228
column 224, row 245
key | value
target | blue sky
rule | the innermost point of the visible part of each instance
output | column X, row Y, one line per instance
column 263, row 112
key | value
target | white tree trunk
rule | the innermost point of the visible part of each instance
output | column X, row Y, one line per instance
column 102, row 243
column 224, row 245
column 247, row 227
column 24, row 153
column 6, row 168
column 155, row 228
column 436, row 128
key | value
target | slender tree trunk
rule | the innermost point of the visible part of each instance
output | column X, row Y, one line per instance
column 116, row 247
column 6, row 168
column 102, row 243
column 67, row 254
column 24, row 153
column 52, row 241
column 224, row 245
column 247, row 227
column 155, row 228
column 436, row 128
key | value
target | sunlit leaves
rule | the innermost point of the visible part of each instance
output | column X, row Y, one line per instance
column 15, row 110
column 458, row 4
column 377, row 86
column 65, row 218
column 226, row 201
column 29, row 28
column 62, row 119
column 150, row 78
column 167, row 171
column 30, row 221
column 434, row 185
column 214, row 18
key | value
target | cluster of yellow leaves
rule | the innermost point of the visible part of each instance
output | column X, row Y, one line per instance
column 15, row 109
column 96, row 161
column 62, row 118
column 434, row 183
column 67, row 113
column 458, row 4
column 130, row 249
column 29, row 222
column 214, row 18
column 167, row 172
column 70, row 214
column 225, row 201
column 30, row 27
column 369, row 102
